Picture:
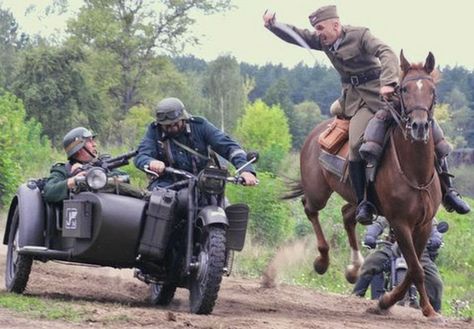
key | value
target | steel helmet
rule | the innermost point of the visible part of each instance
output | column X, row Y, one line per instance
column 75, row 140
column 170, row 110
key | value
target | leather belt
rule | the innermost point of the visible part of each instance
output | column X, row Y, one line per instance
column 360, row 78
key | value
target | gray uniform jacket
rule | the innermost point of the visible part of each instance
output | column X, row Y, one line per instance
column 200, row 135
column 359, row 52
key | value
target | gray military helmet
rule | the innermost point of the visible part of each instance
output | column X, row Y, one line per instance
column 75, row 140
column 170, row 110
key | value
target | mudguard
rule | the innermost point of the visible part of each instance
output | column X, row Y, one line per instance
column 212, row 215
column 30, row 204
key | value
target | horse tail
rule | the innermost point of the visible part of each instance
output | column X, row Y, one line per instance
column 295, row 190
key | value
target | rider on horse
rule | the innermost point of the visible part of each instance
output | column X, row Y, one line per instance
column 368, row 69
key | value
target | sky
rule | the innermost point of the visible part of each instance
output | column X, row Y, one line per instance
column 417, row 26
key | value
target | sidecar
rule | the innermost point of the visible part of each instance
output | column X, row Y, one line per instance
column 91, row 228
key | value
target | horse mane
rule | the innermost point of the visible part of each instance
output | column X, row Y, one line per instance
column 435, row 74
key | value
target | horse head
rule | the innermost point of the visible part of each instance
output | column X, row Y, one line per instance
column 417, row 97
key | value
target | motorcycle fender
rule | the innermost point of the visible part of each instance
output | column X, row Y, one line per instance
column 32, row 217
column 212, row 215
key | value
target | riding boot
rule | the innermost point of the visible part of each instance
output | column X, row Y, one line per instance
column 451, row 198
column 365, row 210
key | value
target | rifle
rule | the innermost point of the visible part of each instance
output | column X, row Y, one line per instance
column 107, row 163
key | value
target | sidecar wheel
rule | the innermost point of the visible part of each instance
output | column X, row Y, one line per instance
column 205, row 282
column 162, row 294
column 18, row 267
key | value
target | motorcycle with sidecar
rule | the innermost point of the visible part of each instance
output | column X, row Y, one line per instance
column 182, row 236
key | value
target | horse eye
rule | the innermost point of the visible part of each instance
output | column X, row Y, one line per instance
column 404, row 89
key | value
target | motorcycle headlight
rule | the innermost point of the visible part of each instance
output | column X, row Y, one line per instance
column 96, row 178
column 212, row 180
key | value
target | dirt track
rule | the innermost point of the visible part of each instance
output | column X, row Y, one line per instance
column 113, row 299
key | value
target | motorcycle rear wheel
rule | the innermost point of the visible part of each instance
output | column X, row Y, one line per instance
column 205, row 282
column 17, row 267
column 162, row 294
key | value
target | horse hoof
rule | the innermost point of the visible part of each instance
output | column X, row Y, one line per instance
column 351, row 274
column 320, row 266
column 437, row 318
column 377, row 311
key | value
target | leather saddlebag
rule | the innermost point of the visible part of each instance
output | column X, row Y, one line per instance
column 334, row 137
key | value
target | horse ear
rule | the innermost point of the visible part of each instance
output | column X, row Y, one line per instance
column 429, row 63
column 404, row 65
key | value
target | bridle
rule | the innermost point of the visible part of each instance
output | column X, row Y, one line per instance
column 403, row 89
column 402, row 117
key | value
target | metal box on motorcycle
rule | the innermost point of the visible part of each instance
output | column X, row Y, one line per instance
column 158, row 223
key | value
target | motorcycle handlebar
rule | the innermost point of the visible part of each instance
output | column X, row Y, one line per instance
column 170, row 170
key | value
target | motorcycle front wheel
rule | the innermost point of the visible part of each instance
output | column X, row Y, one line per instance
column 206, row 280
column 162, row 294
column 18, row 267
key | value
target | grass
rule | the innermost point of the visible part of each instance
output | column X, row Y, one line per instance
column 41, row 308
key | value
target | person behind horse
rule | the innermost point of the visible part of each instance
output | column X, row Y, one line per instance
column 81, row 149
column 182, row 141
column 378, row 260
column 368, row 69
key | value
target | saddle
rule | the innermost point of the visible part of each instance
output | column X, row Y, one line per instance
column 334, row 143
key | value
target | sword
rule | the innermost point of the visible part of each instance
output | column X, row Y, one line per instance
column 293, row 35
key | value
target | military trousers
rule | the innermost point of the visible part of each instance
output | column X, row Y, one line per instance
column 357, row 126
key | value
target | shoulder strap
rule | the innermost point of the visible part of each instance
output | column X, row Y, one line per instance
column 190, row 150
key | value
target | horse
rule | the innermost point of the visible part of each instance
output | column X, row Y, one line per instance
column 407, row 186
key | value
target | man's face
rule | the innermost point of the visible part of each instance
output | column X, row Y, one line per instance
column 91, row 146
column 327, row 31
column 174, row 129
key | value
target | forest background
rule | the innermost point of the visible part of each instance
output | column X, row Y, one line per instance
column 119, row 58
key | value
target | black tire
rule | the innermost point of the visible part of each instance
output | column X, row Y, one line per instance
column 17, row 267
column 162, row 294
column 205, row 282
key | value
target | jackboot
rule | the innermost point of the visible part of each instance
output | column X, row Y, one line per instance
column 365, row 209
column 452, row 200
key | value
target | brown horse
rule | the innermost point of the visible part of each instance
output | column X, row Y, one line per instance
column 407, row 185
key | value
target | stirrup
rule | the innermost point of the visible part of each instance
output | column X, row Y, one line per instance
column 370, row 210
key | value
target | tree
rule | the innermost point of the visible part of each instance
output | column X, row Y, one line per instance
column 265, row 129
column 10, row 44
column 54, row 91
column 224, row 87
column 306, row 116
column 126, row 36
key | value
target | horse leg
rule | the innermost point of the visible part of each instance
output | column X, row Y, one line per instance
column 422, row 234
column 321, row 262
column 352, row 270
column 414, row 273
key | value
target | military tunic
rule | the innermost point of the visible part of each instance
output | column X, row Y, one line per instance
column 55, row 189
column 357, row 54
column 199, row 135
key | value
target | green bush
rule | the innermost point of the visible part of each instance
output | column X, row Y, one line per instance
column 23, row 150
column 270, row 218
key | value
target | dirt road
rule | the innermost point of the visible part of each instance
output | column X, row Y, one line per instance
column 113, row 299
